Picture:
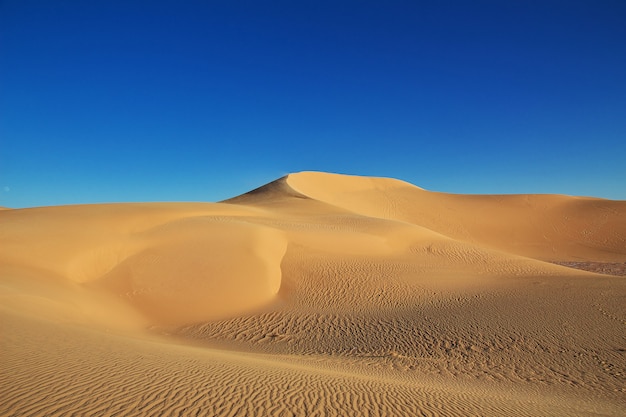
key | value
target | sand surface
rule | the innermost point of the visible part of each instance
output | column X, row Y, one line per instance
column 316, row 295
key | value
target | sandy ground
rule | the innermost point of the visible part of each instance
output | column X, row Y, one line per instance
column 316, row 295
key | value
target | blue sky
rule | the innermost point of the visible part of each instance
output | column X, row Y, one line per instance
column 107, row 101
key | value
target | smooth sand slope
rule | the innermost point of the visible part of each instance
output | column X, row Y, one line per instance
column 315, row 295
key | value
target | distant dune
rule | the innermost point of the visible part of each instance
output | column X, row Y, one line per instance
column 316, row 295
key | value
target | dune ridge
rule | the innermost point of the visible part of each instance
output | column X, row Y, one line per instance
column 316, row 294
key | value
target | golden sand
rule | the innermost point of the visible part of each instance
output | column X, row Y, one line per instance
column 315, row 295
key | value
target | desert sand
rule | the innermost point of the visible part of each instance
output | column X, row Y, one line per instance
column 315, row 295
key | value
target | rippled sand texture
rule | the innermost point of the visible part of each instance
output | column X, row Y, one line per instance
column 315, row 295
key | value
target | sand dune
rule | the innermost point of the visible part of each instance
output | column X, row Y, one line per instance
column 317, row 294
column 549, row 227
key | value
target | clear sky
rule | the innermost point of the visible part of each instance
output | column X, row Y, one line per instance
column 107, row 101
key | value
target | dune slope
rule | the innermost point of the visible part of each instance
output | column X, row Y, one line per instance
column 317, row 294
